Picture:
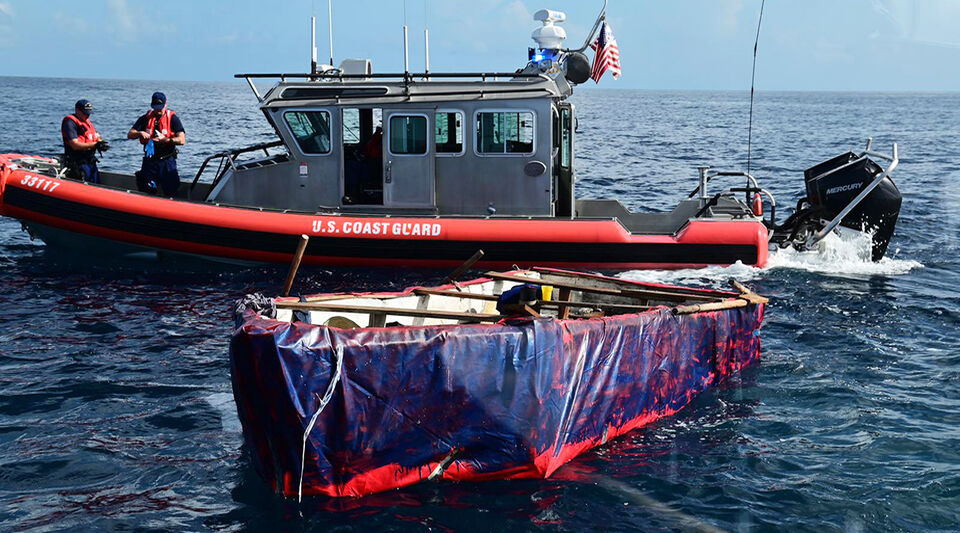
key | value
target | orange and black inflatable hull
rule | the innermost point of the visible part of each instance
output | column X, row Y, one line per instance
column 245, row 234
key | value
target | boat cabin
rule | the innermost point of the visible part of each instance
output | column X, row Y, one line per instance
column 417, row 145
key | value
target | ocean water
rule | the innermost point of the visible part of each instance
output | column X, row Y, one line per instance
column 116, row 409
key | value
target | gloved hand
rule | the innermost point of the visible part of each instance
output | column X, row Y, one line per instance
column 103, row 146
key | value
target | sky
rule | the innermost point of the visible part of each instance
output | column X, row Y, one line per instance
column 810, row 45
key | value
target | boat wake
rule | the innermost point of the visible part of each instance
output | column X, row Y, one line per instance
column 846, row 254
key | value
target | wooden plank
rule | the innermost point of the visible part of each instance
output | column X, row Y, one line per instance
column 627, row 283
column 563, row 311
column 559, row 304
column 520, row 310
column 295, row 264
column 646, row 294
column 455, row 275
column 710, row 306
column 378, row 320
column 395, row 311
column 748, row 294
column 455, row 294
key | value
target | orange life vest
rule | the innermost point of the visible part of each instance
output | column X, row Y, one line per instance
column 163, row 128
column 85, row 130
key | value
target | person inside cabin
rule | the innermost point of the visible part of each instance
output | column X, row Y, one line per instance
column 374, row 147
column 160, row 132
column 80, row 144
column 373, row 163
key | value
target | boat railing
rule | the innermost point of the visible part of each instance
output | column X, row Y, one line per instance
column 408, row 78
column 228, row 160
column 596, row 25
column 752, row 188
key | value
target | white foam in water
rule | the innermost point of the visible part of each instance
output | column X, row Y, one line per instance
column 846, row 254
column 712, row 276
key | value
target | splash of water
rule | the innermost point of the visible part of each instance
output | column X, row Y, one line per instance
column 844, row 254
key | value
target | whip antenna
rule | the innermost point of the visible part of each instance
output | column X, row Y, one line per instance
column 330, row 27
column 406, row 52
column 753, row 77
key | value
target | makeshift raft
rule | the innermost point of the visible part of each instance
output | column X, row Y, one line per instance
column 352, row 394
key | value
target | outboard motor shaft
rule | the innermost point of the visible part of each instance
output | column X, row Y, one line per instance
column 849, row 190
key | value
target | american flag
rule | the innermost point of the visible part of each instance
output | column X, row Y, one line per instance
column 607, row 54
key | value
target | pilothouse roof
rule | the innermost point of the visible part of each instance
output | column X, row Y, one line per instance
column 309, row 89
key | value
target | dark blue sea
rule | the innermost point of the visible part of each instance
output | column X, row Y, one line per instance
column 116, row 411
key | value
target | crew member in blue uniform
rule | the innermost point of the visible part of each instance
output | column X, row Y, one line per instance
column 80, row 143
column 160, row 132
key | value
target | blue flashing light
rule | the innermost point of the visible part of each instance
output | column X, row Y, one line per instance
column 539, row 56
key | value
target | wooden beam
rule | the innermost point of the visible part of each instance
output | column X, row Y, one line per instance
column 646, row 294
column 295, row 264
column 748, row 294
column 628, row 284
column 455, row 275
column 395, row 311
column 559, row 304
column 563, row 312
column 710, row 306
column 455, row 294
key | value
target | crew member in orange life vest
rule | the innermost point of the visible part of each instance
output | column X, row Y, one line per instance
column 80, row 142
column 160, row 132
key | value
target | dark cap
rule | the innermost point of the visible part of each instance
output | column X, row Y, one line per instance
column 158, row 101
column 85, row 106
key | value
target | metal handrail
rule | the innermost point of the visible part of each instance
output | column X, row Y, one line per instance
column 600, row 18
column 706, row 177
column 230, row 156
column 830, row 226
column 401, row 75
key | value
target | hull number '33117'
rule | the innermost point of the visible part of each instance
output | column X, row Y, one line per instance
column 405, row 229
column 37, row 182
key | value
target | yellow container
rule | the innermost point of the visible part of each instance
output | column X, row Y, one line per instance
column 547, row 291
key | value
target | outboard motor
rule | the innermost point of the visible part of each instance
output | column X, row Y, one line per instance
column 849, row 190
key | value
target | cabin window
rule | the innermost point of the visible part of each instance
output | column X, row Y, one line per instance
column 449, row 132
column 505, row 132
column 408, row 135
column 311, row 129
column 359, row 124
column 566, row 144
column 351, row 126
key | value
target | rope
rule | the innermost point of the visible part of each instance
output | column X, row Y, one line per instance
column 313, row 420
column 753, row 77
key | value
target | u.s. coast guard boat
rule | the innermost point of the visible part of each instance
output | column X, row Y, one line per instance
column 461, row 162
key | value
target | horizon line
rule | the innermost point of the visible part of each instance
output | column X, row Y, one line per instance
column 582, row 86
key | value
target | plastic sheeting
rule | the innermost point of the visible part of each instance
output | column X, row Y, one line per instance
column 467, row 402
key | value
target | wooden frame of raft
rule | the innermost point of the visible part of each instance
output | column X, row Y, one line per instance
column 568, row 283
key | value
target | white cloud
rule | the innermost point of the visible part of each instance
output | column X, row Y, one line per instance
column 930, row 22
column 6, row 31
column 70, row 25
column 124, row 26
column 728, row 14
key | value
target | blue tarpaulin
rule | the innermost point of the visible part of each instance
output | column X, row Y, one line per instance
column 516, row 399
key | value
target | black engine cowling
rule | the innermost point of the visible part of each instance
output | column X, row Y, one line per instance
column 834, row 184
column 831, row 187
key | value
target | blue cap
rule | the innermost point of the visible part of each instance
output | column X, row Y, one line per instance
column 158, row 101
column 84, row 105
